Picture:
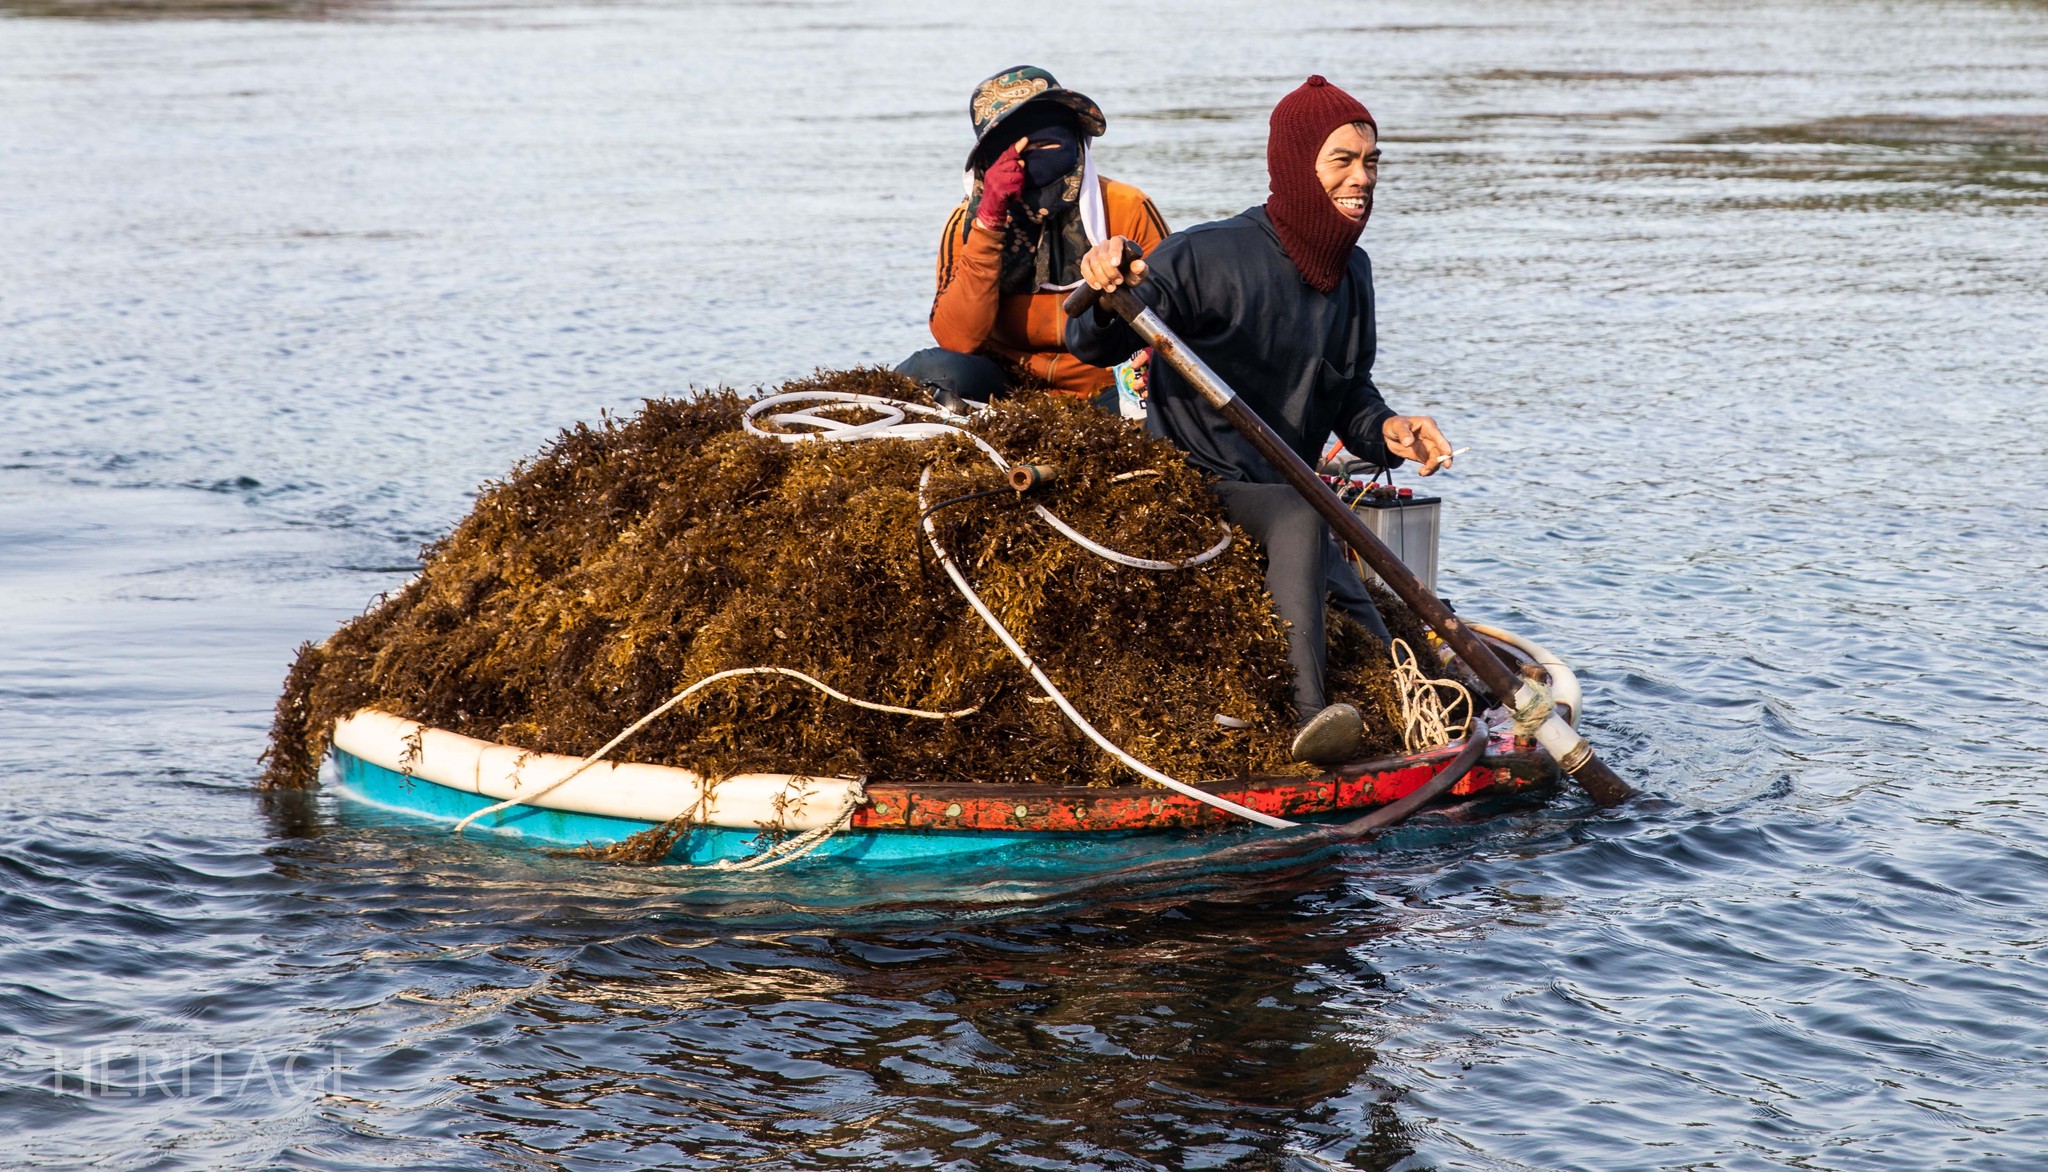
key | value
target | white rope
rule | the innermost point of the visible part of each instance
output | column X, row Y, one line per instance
column 1426, row 719
column 1058, row 697
column 685, row 694
column 895, row 424
column 1122, row 559
column 789, row 850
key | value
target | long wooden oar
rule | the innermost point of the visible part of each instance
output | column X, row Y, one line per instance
column 1565, row 745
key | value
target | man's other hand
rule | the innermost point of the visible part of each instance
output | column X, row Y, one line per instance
column 1415, row 437
column 1100, row 267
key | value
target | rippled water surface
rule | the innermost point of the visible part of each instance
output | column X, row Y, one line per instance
column 1741, row 309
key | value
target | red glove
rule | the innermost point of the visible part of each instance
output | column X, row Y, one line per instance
column 1003, row 182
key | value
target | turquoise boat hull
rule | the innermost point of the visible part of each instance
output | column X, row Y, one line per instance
column 373, row 785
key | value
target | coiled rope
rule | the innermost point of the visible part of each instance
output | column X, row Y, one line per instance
column 1426, row 717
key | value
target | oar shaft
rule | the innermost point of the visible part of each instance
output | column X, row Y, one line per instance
column 1571, row 751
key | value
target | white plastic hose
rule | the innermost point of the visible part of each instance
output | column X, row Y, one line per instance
column 895, row 424
column 1058, row 697
column 1564, row 683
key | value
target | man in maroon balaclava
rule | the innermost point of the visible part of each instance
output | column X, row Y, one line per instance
column 1278, row 301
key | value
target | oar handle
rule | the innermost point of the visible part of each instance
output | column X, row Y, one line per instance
column 1083, row 299
column 1570, row 750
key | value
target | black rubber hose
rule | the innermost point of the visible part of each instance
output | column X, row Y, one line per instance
column 1395, row 813
column 961, row 499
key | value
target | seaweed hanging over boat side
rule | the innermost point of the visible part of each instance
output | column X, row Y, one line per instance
column 292, row 759
column 632, row 558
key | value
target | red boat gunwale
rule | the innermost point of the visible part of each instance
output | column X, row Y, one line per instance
column 1062, row 809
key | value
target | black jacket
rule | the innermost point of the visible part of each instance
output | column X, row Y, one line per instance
column 1302, row 360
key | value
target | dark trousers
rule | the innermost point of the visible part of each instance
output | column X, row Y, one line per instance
column 956, row 379
column 954, row 376
column 1303, row 568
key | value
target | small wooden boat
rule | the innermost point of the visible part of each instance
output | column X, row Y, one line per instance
column 400, row 765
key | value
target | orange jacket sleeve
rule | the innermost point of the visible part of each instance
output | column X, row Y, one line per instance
column 1132, row 215
column 970, row 258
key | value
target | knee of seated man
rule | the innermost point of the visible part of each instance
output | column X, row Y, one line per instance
column 1295, row 524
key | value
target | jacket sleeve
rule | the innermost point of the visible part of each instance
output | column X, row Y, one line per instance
column 1358, row 423
column 1362, row 409
column 1101, row 338
column 964, row 308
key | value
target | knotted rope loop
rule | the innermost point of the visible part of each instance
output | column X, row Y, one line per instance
column 1427, row 718
column 1533, row 707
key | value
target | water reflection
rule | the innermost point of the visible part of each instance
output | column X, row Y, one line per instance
column 1203, row 1033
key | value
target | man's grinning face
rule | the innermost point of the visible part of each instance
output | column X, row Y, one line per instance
column 1348, row 167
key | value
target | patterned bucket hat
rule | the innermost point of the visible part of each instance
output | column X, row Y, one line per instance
column 1011, row 90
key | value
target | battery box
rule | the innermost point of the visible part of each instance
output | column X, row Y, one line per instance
column 1409, row 524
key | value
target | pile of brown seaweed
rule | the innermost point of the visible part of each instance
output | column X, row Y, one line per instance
column 631, row 559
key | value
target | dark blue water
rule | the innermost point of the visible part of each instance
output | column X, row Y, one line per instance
column 1741, row 309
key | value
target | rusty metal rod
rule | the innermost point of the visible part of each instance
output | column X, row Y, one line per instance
column 1571, row 751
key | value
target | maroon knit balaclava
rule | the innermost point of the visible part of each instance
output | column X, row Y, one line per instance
column 1318, row 238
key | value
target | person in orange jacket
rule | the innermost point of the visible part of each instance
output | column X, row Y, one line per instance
column 1012, row 249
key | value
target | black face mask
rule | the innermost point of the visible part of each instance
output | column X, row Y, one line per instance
column 1048, row 164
